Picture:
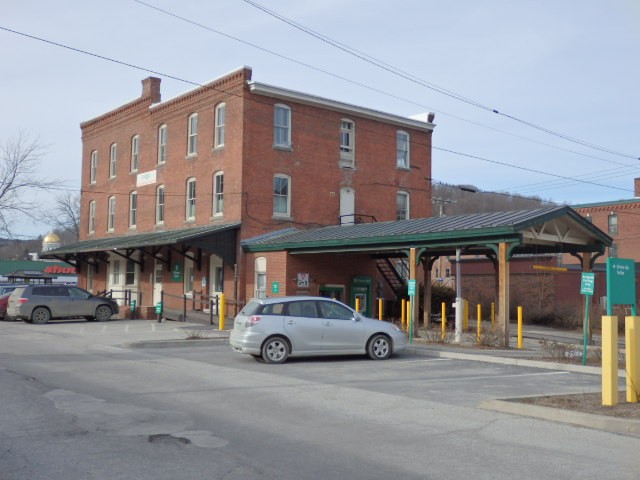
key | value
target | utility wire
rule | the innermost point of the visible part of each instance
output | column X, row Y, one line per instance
column 431, row 86
column 145, row 69
column 369, row 87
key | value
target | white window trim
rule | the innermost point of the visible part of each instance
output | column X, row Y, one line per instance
column 287, row 143
column 92, row 216
column 219, row 128
column 160, row 188
column 133, row 212
column 347, row 157
column 192, row 133
column 190, row 200
column 287, row 214
column 111, row 214
column 260, row 270
column 113, row 160
column 162, row 144
column 135, row 153
column 217, row 194
column 93, row 168
column 408, row 204
column 408, row 159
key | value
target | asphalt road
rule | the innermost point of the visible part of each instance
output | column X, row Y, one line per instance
column 76, row 404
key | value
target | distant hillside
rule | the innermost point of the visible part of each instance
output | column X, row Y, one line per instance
column 457, row 200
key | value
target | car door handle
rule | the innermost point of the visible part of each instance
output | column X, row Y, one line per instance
column 291, row 322
column 328, row 324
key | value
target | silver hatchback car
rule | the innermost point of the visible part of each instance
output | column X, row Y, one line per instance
column 272, row 329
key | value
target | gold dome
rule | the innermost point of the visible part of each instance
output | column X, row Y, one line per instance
column 51, row 238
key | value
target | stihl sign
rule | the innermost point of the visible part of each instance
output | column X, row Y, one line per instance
column 59, row 269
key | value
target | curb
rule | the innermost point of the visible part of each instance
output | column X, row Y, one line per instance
column 622, row 426
column 518, row 362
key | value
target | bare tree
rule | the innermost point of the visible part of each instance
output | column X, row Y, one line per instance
column 65, row 215
column 19, row 179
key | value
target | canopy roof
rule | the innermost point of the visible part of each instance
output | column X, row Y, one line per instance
column 557, row 229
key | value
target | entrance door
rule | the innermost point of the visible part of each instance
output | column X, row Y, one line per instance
column 216, row 278
column 158, row 270
column 347, row 206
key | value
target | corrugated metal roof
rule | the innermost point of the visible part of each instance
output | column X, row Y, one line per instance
column 479, row 225
column 123, row 242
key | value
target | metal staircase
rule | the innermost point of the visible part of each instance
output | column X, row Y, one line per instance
column 389, row 271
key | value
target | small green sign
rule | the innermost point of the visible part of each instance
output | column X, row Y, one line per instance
column 159, row 307
column 588, row 283
column 621, row 283
column 412, row 288
column 275, row 287
column 176, row 272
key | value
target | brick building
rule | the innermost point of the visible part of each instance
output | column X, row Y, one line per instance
column 170, row 188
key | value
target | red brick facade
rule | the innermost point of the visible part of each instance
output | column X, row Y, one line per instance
column 248, row 161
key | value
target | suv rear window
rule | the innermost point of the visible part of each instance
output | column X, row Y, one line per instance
column 251, row 308
column 50, row 291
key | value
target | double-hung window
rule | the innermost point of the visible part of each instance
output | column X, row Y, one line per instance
column 402, row 206
column 402, row 139
column 92, row 216
column 191, row 199
column 162, row 144
column 282, row 126
column 160, row 204
column 281, row 195
column 347, row 143
column 218, row 193
column 135, row 146
column 192, row 134
column 613, row 223
column 133, row 209
column 93, row 167
column 111, row 214
column 113, row 160
column 220, row 121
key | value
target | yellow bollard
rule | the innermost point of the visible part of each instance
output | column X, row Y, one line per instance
column 403, row 312
column 408, row 315
column 222, row 311
column 609, row 360
column 465, row 324
column 632, row 340
column 444, row 321
column 493, row 314
column 380, row 308
column 358, row 304
column 519, row 328
column 479, row 322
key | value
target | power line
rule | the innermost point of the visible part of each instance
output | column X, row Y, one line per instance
column 431, row 86
column 368, row 87
column 146, row 69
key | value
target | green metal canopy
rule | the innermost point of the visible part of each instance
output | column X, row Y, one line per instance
column 556, row 229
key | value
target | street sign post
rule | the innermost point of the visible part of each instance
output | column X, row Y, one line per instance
column 412, row 293
column 587, row 286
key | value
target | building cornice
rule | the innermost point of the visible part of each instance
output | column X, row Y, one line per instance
column 306, row 99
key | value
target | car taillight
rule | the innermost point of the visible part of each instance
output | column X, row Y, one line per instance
column 254, row 320
column 23, row 300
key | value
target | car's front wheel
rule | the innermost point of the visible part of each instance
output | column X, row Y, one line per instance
column 103, row 313
column 40, row 316
column 379, row 347
column 275, row 350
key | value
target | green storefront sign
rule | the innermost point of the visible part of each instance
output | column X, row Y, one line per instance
column 176, row 272
column 621, row 283
column 275, row 287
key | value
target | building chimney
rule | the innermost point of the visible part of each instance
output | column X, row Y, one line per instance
column 430, row 117
column 151, row 89
column 636, row 187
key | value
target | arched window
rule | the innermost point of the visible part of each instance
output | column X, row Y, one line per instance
column 220, row 122
column 191, row 199
column 160, row 205
column 133, row 209
column 135, row 147
column 218, row 193
column 192, row 134
column 113, row 160
column 111, row 214
column 92, row 216
column 281, row 195
column 402, row 139
column 94, row 167
column 402, row 206
column 162, row 144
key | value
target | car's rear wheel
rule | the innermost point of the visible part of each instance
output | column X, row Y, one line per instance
column 103, row 313
column 40, row 316
column 275, row 350
column 379, row 347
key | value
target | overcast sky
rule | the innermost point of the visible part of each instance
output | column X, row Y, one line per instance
column 569, row 67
